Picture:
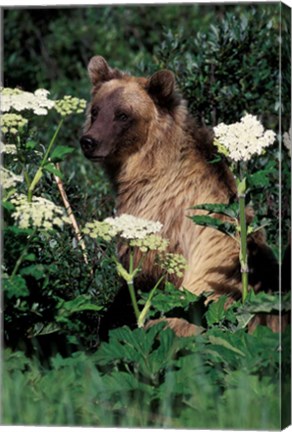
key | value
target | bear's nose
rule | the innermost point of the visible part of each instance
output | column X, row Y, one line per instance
column 88, row 144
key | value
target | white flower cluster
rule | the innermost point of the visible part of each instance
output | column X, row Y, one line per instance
column 126, row 226
column 12, row 123
column 174, row 264
column 40, row 213
column 8, row 148
column 243, row 139
column 70, row 105
column 99, row 229
column 9, row 179
column 20, row 100
column 151, row 242
column 131, row 227
column 287, row 140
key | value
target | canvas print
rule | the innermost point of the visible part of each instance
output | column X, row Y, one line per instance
column 146, row 181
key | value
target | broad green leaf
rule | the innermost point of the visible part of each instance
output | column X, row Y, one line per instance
column 230, row 210
column 216, row 311
column 262, row 178
column 30, row 257
column 7, row 205
column 243, row 319
column 263, row 302
column 211, row 222
column 18, row 231
column 50, row 167
column 80, row 303
column 181, row 298
column 31, row 144
column 223, row 342
column 15, row 287
column 124, row 382
column 35, row 270
column 60, row 152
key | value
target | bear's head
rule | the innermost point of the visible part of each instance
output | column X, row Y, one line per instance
column 122, row 110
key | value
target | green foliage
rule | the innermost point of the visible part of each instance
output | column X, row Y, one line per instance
column 209, row 221
column 153, row 379
column 175, row 299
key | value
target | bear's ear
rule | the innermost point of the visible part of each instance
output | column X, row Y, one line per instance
column 99, row 70
column 161, row 87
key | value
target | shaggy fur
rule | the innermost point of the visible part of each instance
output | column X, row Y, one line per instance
column 158, row 159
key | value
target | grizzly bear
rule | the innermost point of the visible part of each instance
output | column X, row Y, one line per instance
column 159, row 161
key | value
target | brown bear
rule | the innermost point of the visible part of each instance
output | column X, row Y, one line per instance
column 159, row 161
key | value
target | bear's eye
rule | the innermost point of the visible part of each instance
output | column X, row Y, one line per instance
column 94, row 113
column 121, row 116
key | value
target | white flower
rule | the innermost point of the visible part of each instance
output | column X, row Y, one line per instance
column 287, row 138
column 70, row 105
column 126, row 226
column 20, row 100
column 40, row 213
column 173, row 263
column 99, row 229
column 9, row 179
column 12, row 123
column 243, row 139
column 8, row 148
column 131, row 227
column 150, row 242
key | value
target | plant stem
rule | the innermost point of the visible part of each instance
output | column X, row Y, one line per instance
column 243, row 245
column 52, row 142
column 39, row 172
column 71, row 216
column 133, row 298
column 130, row 284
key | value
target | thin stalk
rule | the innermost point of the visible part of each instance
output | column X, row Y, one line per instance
column 243, row 246
column 130, row 284
column 39, row 172
column 52, row 142
column 71, row 216
column 133, row 298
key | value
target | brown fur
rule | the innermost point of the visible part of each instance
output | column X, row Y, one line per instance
column 159, row 162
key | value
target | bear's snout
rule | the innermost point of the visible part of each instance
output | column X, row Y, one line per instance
column 88, row 145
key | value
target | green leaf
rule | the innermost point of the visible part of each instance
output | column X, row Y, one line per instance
column 18, row 231
column 208, row 221
column 262, row 178
column 122, row 382
column 59, row 153
column 265, row 303
column 230, row 210
column 35, row 270
column 79, row 304
column 216, row 311
column 7, row 205
column 181, row 298
column 214, row 340
column 50, row 167
column 31, row 144
column 15, row 287
column 29, row 257
column 40, row 329
column 243, row 319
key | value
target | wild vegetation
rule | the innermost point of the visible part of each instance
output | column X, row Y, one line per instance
column 58, row 281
